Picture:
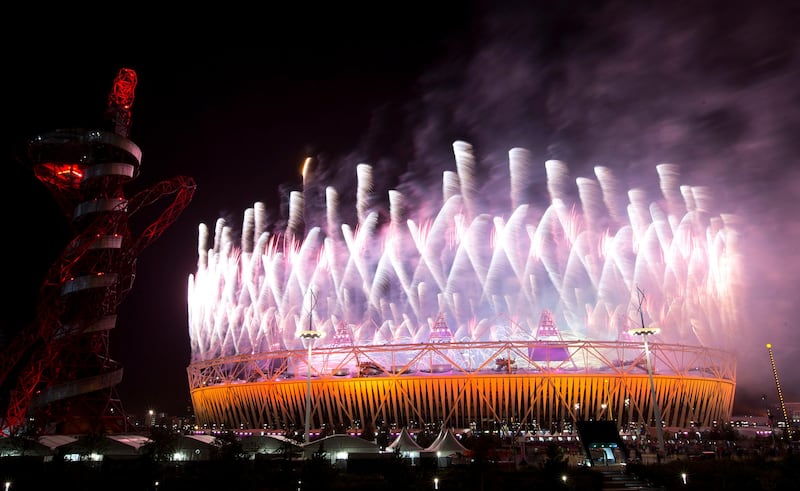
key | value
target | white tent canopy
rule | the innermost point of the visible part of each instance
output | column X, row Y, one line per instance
column 446, row 444
column 195, row 447
column 269, row 444
column 405, row 444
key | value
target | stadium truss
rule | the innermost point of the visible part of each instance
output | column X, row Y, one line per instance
column 541, row 385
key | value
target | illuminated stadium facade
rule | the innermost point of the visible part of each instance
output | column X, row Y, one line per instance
column 466, row 317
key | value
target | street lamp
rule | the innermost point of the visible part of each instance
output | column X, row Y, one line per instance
column 309, row 337
column 644, row 332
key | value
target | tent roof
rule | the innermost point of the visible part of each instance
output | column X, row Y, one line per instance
column 55, row 441
column 209, row 439
column 404, row 442
column 268, row 443
column 135, row 441
column 197, row 441
column 104, row 446
column 446, row 443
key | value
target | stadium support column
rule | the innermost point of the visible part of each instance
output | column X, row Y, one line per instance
column 308, row 338
column 644, row 332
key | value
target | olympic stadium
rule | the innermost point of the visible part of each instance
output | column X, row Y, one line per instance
column 474, row 309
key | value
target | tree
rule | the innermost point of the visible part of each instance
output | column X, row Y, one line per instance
column 93, row 443
column 368, row 433
column 21, row 444
column 230, row 448
column 163, row 444
column 383, row 438
column 555, row 462
column 318, row 473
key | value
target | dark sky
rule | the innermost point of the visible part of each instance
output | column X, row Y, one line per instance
column 236, row 100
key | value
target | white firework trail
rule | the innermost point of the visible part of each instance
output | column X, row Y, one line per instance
column 489, row 273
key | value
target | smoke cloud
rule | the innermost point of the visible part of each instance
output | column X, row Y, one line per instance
column 710, row 86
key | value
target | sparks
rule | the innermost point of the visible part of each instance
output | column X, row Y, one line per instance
column 584, row 261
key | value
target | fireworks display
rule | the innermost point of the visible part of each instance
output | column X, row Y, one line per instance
column 488, row 273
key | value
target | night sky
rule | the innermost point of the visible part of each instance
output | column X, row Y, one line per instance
column 237, row 100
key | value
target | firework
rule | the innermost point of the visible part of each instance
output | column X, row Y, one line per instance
column 472, row 313
column 488, row 273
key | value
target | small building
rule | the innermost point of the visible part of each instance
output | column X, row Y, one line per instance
column 195, row 447
column 56, row 442
column 265, row 446
column 23, row 447
column 337, row 448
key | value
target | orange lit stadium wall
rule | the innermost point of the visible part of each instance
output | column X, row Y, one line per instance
column 434, row 385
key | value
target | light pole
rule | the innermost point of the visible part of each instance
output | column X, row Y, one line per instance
column 644, row 332
column 308, row 338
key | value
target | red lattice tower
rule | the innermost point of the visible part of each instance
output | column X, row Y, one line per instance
column 58, row 369
column 120, row 101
